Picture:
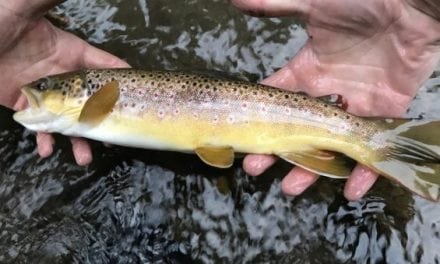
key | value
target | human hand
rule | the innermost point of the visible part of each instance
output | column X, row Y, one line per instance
column 375, row 53
column 30, row 48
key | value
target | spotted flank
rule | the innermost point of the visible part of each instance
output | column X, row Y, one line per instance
column 216, row 117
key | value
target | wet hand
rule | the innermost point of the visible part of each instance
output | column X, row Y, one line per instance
column 30, row 48
column 375, row 53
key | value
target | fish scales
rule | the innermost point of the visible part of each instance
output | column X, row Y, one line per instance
column 215, row 117
column 169, row 95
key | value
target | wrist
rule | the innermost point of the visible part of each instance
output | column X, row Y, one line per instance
column 28, row 9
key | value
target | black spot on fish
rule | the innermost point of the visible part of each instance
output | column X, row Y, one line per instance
column 286, row 96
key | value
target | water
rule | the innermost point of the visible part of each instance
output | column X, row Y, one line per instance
column 140, row 206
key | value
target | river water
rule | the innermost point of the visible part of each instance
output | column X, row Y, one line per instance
column 141, row 206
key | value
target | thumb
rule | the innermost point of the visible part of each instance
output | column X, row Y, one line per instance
column 95, row 58
column 274, row 7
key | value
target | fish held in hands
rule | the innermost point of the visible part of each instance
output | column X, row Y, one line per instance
column 216, row 117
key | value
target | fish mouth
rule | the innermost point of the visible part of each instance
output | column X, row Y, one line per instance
column 34, row 113
column 32, row 96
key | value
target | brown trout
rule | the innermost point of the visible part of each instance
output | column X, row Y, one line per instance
column 216, row 117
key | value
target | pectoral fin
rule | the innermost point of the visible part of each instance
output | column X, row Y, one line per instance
column 220, row 157
column 100, row 104
column 327, row 163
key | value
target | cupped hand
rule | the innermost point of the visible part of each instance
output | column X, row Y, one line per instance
column 31, row 47
column 375, row 53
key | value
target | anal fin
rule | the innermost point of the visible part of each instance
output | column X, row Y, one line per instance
column 326, row 163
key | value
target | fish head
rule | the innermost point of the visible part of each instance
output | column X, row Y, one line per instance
column 54, row 102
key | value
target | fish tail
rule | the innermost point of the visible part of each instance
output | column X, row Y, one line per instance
column 412, row 156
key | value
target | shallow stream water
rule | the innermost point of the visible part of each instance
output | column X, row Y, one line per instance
column 140, row 206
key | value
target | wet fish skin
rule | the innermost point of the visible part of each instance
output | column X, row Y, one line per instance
column 213, row 116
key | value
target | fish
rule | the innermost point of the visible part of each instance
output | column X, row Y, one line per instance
column 216, row 117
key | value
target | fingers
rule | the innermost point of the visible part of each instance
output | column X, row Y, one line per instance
column 255, row 165
column 81, row 151
column 297, row 181
column 45, row 143
column 273, row 7
column 95, row 58
column 20, row 104
column 360, row 181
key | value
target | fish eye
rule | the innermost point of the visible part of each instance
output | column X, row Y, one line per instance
column 43, row 84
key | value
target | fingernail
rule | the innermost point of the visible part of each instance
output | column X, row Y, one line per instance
column 295, row 188
column 83, row 159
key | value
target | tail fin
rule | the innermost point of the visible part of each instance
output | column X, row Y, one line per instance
column 413, row 158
